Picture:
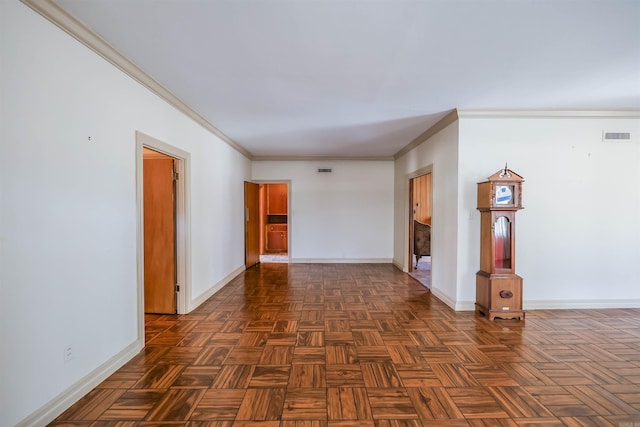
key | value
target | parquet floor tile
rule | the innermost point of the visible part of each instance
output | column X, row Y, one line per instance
column 219, row 405
column 391, row 404
column 348, row 403
column 262, row 404
column 305, row 404
column 307, row 376
column 365, row 345
column 345, row 375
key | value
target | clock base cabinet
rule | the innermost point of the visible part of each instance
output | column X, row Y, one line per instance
column 499, row 295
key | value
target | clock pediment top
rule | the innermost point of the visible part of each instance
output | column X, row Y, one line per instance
column 506, row 175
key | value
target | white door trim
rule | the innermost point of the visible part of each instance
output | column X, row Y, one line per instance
column 183, row 229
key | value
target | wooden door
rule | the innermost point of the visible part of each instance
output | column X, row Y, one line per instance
column 159, row 236
column 251, row 224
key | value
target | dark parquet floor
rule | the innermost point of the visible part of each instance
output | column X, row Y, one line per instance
column 337, row 345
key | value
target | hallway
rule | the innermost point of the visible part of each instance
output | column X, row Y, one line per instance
column 365, row 345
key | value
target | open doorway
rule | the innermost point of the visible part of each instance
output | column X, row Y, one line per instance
column 420, row 211
column 172, row 164
column 274, row 223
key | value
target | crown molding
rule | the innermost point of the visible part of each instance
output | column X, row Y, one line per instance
column 537, row 114
column 451, row 117
column 72, row 26
column 457, row 114
column 321, row 158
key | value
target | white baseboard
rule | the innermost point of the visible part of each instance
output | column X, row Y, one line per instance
column 579, row 304
column 341, row 260
column 465, row 306
column 64, row 400
column 442, row 297
column 547, row 304
column 400, row 266
column 195, row 303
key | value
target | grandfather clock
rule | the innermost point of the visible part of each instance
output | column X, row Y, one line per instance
column 498, row 287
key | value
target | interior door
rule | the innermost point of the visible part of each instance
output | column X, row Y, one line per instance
column 251, row 224
column 159, row 236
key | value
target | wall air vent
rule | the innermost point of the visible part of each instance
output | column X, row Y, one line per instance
column 325, row 170
column 616, row 136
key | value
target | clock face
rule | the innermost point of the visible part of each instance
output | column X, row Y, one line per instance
column 504, row 195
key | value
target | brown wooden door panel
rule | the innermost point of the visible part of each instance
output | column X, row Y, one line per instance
column 277, row 241
column 159, row 237
column 277, row 199
column 262, row 211
column 252, row 223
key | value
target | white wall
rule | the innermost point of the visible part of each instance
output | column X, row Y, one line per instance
column 68, row 208
column 440, row 152
column 343, row 216
column 578, row 238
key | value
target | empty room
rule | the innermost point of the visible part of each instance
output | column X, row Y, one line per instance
column 284, row 213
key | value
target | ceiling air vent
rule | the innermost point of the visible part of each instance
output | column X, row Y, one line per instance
column 325, row 170
column 616, row 136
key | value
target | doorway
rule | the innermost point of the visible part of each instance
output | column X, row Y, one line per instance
column 420, row 213
column 267, row 231
column 176, row 246
column 274, row 223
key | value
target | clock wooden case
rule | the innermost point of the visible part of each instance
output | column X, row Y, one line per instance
column 498, row 287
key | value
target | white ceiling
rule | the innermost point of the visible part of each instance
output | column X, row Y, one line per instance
column 365, row 77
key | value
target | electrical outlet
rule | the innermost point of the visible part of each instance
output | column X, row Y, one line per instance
column 68, row 353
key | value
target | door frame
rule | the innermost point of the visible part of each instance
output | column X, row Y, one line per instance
column 409, row 216
column 183, row 230
column 289, row 228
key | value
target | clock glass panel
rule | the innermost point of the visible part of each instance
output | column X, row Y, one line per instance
column 502, row 239
column 504, row 195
